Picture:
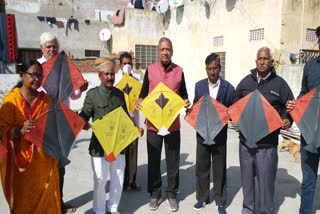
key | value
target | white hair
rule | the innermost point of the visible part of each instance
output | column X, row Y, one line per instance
column 48, row 37
column 265, row 48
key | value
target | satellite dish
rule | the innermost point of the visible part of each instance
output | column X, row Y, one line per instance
column 175, row 3
column 162, row 6
column 104, row 34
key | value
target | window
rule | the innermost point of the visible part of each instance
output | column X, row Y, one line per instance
column 257, row 34
column 92, row 53
column 145, row 55
column 218, row 41
column 28, row 54
column 222, row 56
column 311, row 35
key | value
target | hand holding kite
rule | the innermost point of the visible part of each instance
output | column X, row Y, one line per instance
column 161, row 107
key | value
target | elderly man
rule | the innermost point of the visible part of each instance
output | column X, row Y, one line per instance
column 132, row 151
column 262, row 162
column 214, row 154
column 171, row 75
column 49, row 45
column 100, row 101
column 309, row 160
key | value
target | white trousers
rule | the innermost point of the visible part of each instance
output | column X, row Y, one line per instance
column 102, row 170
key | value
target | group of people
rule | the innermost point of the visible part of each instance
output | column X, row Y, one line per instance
column 43, row 193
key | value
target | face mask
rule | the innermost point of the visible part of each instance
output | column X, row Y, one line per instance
column 127, row 69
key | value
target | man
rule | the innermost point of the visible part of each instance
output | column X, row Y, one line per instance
column 49, row 45
column 98, row 102
column 262, row 162
column 222, row 91
column 309, row 160
column 132, row 150
column 172, row 76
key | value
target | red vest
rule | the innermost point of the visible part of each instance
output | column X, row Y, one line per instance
column 172, row 78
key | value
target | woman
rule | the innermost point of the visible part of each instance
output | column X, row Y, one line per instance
column 29, row 176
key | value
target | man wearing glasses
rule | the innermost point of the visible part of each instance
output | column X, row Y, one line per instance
column 309, row 160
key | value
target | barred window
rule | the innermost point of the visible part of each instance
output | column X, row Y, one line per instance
column 257, row 34
column 218, row 41
column 145, row 55
column 28, row 54
column 92, row 53
column 222, row 56
column 311, row 35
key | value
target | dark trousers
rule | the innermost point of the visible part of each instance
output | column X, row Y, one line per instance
column 216, row 153
column 309, row 167
column 262, row 163
column 62, row 171
column 130, row 172
column 172, row 153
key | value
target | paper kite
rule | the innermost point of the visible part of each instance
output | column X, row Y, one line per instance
column 161, row 107
column 306, row 116
column 61, row 77
column 131, row 90
column 115, row 131
column 255, row 117
column 208, row 117
column 55, row 131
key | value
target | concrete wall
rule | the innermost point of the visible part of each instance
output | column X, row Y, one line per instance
column 29, row 28
column 298, row 15
column 193, row 28
column 141, row 27
column 293, row 75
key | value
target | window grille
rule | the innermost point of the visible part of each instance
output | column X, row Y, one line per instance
column 92, row 53
column 218, row 41
column 145, row 55
column 311, row 35
column 257, row 34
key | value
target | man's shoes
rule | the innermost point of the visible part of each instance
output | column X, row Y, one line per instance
column 173, row 205
column 221, row 209
column 154, row 203
column 199, row 205
column 135, row 187
column 67, row 208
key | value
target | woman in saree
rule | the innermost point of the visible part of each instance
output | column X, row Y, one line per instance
column 29, row 176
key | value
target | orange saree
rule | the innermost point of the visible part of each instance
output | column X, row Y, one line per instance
column 30, row 178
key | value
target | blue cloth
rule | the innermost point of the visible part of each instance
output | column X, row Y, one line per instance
column 3, row 39
column 138, row 4
column 309, row 167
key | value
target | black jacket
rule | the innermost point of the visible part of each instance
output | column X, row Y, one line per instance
column 224, row 96
column 275, row 90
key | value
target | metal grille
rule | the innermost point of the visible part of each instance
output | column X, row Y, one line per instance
column 92, row 53
column 222, row 56
column 257, row 34
column 145, row 55
column 28, row 54
column 311, row 35
column 305, row 55
column 218, row 41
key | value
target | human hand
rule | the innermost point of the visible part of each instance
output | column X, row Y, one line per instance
column 290, row 105
column 84, row 86
column 141, row 130
column 285, row 124
column 27, row 125
column 138, row 103
column 186, row 103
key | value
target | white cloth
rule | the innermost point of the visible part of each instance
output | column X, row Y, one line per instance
column 102, row 170
column 214, row 88
column 74, row 96
column 130, row 5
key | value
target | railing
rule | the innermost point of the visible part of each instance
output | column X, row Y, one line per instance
column 305, row 55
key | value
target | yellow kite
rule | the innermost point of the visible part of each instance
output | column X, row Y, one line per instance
column 131, row 89
column 161, row 107
column 115, row 131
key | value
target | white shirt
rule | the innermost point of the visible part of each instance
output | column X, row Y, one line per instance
column 214, row 88
column 266, row 77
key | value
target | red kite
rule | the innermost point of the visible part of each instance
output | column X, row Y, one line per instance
column 208, row 117
column 55, row 131
column 61, row 77
column 255, row 117
column 306, row 116
column 3, row 152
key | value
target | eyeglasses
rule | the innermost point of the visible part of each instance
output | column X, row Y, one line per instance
column 35, row 75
